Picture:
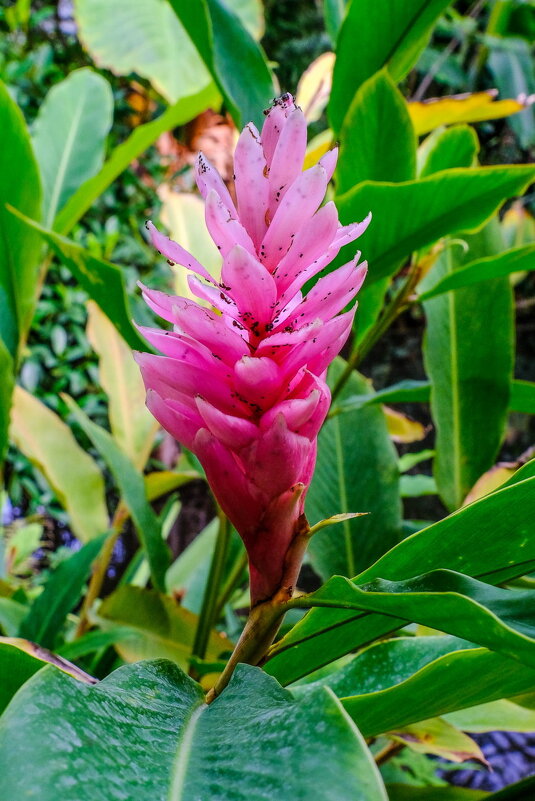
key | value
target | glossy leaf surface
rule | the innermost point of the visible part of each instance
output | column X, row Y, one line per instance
column 405, row 26
column 368, row 151
column 163, row 742
column 415, row 214
column 454, row 543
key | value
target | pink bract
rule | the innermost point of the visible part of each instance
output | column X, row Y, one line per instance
column 241, row 383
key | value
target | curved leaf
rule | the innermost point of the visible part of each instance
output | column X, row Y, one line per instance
column 72, row 474
column 356, row 471
column 162, row 742
column 457, row 146
column 139, row 140
column 477, row 107
column 415, row 214
column 145, row 38
column 368, row 151
column 376, row 34
column 234, row 59
column 454, row 543
column 69, row 135
column 19, row 246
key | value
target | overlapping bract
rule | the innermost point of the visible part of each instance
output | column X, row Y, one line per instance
column 242, row 380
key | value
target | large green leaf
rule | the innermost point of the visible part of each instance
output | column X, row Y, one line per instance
column 102, row 280
column 356, row 471
column 498, row 619
column 132, row 488
column 404, row 680
column 60, row 595
column 19, row 247
column 454, row 543
column 230, row 53
column 144, row 733
column 71, row 472
column 415, row 214
column 123, row 155
column 456, row 146
column 158, row 626
column 6, row 390
column 368, row 151
column 470, row 366
column 376, row 34
column 145, row 38
column 69, row 136
column 20, row 659
column 497, row 266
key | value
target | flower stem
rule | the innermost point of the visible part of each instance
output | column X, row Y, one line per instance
column 209, row 610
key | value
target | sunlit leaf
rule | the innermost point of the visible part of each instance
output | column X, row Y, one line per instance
column 314, row 87
column 477, row 107
column 72, row 474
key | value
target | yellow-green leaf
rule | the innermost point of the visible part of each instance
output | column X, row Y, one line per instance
column 132, row 425
column 72, row 474
column 476, row 107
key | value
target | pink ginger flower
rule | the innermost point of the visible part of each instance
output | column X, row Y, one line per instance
column 242, row 384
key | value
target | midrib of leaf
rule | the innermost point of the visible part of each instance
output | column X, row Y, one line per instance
column 62, row 168
column 340, row 464
column 183, row 753
column 404, row 245
column 405, row 31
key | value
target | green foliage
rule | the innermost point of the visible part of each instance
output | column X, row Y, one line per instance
column 164, row 742
column 66, row 156
column 356, row 471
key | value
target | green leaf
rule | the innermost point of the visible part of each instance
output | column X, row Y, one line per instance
column 368, row 151
column 12, row 613
column 72, row 474
column 20, row 659
column 102, row 280
column 510, row 62
column 6, row 390
column 501, row 715
column 523, row 396
column 132, row 425
column 145, row 38
column 376, row 34
column 142, row 137
column 470, row 365
column 60, row 595
column 444, row 149
column 158, row 626
column 234, row 59
column 410, row 792
column 163, row 742
column 406, row 391
column 415, row 486
column 19, row 247
column 333, row 12
column 400, row 681
column 454, row 543
column 415, row 214
column 69, row 136
column 356, row 471
column 498, row 619
column 498, row 265
column 132, row 488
